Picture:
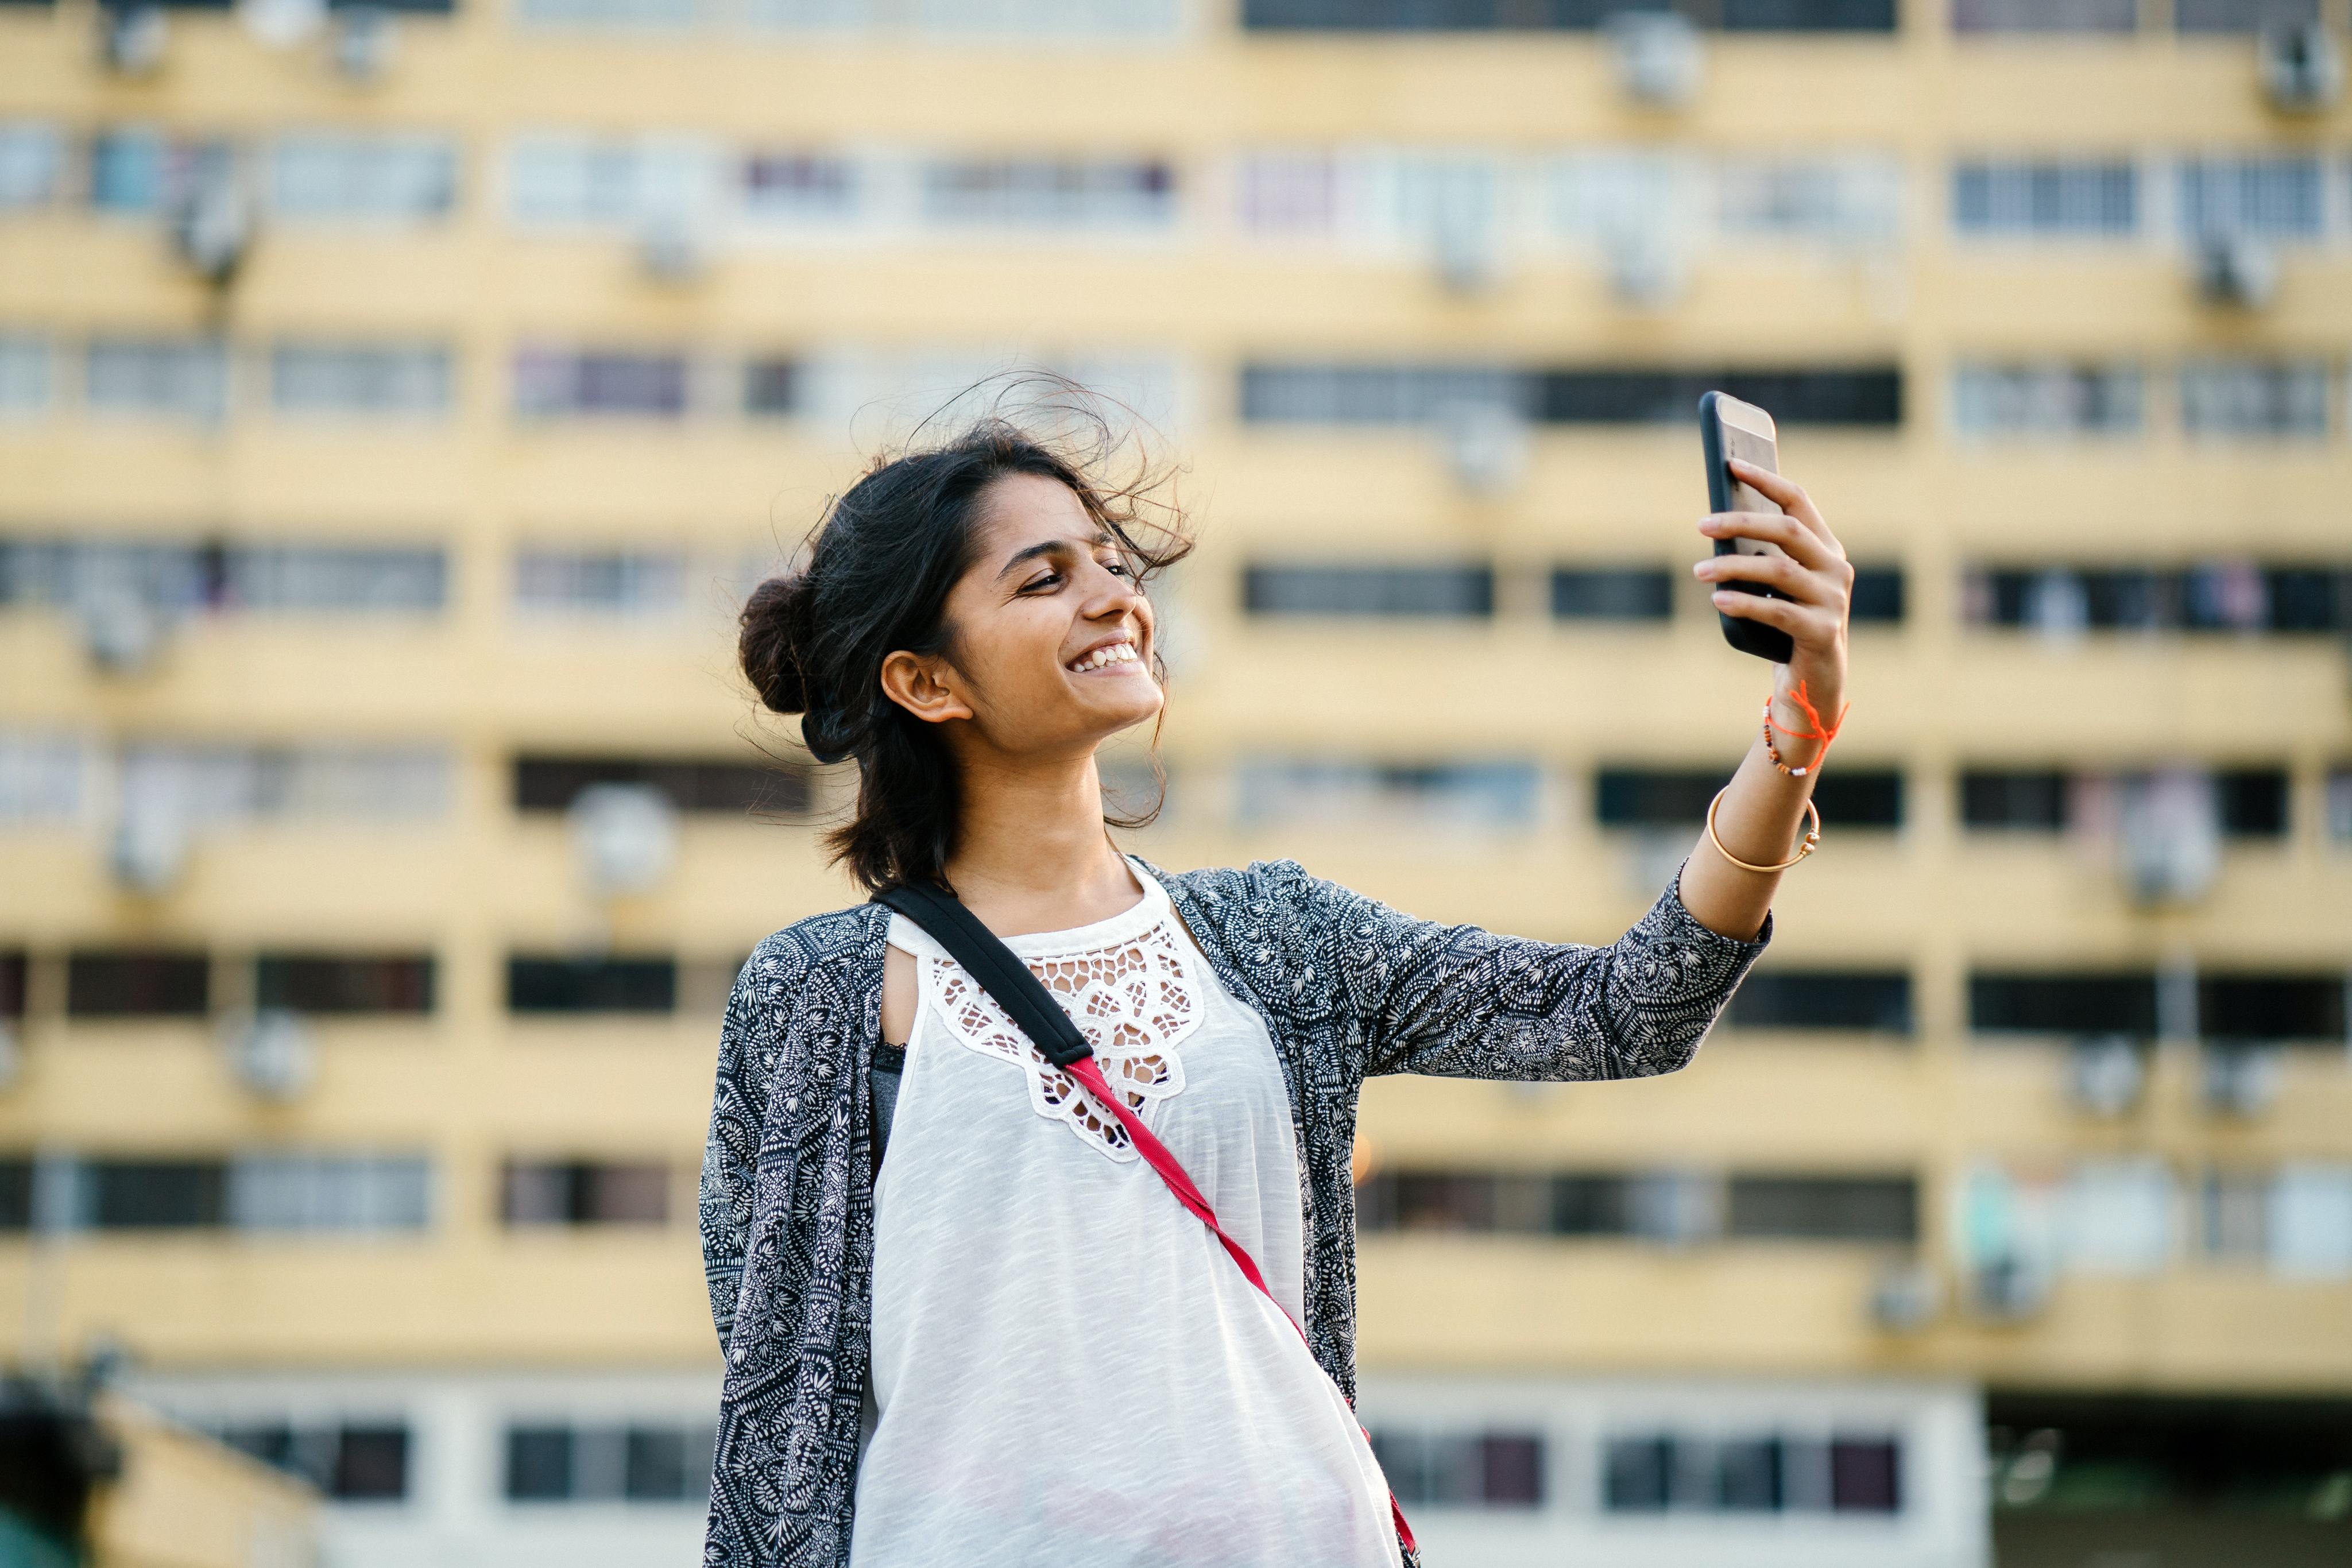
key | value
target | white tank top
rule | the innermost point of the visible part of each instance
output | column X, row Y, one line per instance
column 1067, row 1367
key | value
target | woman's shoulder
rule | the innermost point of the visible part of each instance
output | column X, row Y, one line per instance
column 1263, row 894
column 799, row 953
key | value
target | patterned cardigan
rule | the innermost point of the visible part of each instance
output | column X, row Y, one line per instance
column 1346, row 986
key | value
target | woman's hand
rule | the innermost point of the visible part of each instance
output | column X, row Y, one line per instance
column 1761, row 808
column 1813, row 571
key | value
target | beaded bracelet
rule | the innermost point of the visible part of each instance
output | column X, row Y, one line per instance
column 1823, row 733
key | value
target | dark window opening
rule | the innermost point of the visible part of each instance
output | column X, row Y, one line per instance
column 2251, row 802
column 1824, row 999
column 2188, row 1451
column 552, row 783
column 13, row 967
column 155, row 1195
column 1825, row 1208
column 535, row 1192
column 1450, row 590
column 1621, row 594
column 1877, row 598
column 2272, row 1007
column 1662, row 797
column 591, row 985
column 312, row 983
column 2035, row 800
column 349, row 1463
column 1470, row 1469
column 1559, row 16
column 15, row 1194
column 771, row 388
column 2087, row 1003
column 133, row 984
column 1865, row 397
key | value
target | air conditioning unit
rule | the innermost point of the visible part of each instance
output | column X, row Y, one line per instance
column 2105, row 1075
column 1905, row 1297
column 2169, row 837
column 149, row 847
column 2236, row 270
column 674, row 248
column 1646, row 268
column 2301, row 68
column 131, row 38
column 2240, row 1080
column 1469, row 253
column 212, row 229
column 2008, row 1289
column 270, row 1053
column 364, row 43
column 624, row 837
column 1487, row 447
column 1659, row 57
column 122, row 629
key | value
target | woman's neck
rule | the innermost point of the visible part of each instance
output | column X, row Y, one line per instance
column 1031, row 851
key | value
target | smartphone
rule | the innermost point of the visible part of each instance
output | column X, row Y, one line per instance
column 1729, row 428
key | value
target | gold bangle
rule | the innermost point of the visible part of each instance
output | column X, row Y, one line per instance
column 1813, row 836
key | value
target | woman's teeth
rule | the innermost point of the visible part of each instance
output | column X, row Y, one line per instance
column 1111, row 653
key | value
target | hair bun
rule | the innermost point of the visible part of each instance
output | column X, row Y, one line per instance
column 779, row 629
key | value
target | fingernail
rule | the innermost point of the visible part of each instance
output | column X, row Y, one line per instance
column 1721, row 596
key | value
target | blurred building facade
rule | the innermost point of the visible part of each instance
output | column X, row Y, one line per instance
column 396, row 400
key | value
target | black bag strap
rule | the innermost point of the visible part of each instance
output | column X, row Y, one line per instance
column 999, row 970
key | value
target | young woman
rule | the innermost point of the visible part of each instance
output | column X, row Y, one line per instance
column 1011, row 1347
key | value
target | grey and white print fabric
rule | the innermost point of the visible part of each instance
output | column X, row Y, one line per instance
column 1346, row 987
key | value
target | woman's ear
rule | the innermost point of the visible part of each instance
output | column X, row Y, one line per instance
column 919, row 684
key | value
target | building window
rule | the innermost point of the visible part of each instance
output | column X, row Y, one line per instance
column 646, row 13
column 611, row 985
column 552, row 783
column 1435, row 591
column 1462, row 1469
column 2116, row 1002
column 1822, row 1209
column 228, row 784
column 640, row 1463
column 1472, row 796
column 1612, row 594
column 32, row 155
column 339, row 984
column 151, row 1194
column 1873, row 1000
column 1877, row 596
column 2252, row 803
column 1284, row 193
column 339, row 176
column 2212, row 596
column 12, row 985
column 2276, row 197
column 1652, row 1472
column 2308, row 1009
column 2048, row 400
column 1853, row 199
column 2035, row 800
column 543, row 1193
column 138, row 171
column 771, row 388
column 170, row 378
column 16, row 1195
column 604, row 583
column 352, row 1462
column 219, row 577
column 1048, row 194
column 2045, row 15
column 2253, row 398
column 1488, row 15
column 335, row 1193
column 1674, row 797
column 130, row 983
column 2242, row 15
column 790, row 189
column 2046, row 198
column 42, row 776
column 25, row 374
column 1373, row 394
column 1867, row 396
column 555, row 383
column 566, row 180
column 359, row 380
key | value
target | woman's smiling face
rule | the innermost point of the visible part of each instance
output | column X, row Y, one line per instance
column 1052, row 636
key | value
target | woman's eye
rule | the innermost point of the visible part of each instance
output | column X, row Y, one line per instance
column 1047, row 581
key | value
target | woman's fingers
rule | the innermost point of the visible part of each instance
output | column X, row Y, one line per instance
column 1790, row 533
column 1807, row 625
column 1789, row 496
column 1828, row 586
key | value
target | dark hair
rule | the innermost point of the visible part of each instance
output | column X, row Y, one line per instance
column 885, row 553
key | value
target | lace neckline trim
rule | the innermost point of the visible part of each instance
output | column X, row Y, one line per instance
column 1136, row 920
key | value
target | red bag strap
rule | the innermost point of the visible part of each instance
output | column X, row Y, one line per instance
column 1004, row 976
